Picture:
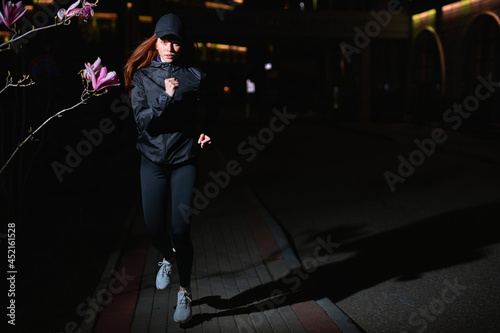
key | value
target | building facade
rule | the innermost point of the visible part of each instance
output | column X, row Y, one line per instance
column 455, row 48
column 368, row 61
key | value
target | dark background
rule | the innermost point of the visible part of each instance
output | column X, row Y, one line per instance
column 407, row 75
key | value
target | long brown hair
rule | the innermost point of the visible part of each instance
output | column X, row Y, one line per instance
column 141, row 57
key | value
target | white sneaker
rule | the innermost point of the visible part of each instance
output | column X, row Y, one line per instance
column 163, row 276
column 183, row 310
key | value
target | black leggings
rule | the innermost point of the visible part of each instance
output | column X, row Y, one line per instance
column 156, row 181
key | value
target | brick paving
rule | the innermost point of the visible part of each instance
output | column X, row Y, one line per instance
column 239, row 255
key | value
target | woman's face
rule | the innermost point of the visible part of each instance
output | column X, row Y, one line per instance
column 168, row 47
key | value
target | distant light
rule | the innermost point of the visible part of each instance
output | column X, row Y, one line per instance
column 129, row 5
column 425, row 17
column 268, row 66
column 145, row 19
column 223, row 47
column 458, row 5
column 452, row 6
column 43, row 2
column 217, row 5
column 106, row 16
column 250, row 87
column 226, row 89
column 5, row 35
column 302, row 6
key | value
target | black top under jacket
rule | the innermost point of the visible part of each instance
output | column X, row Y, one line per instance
column 167, row 125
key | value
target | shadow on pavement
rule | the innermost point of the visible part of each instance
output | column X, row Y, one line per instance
column 404, row 254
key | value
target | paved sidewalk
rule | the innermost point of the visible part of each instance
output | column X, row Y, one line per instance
column 246, row 278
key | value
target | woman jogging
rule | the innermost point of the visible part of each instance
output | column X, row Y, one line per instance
column 164, row 95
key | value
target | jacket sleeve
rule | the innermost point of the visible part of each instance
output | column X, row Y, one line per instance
column 146, row 112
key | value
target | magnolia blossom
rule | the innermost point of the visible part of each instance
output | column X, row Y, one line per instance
column 94, row 68
column 105, row 80
column 71, row 11
column 10, row 13
column 99, row 76
column 86, row 11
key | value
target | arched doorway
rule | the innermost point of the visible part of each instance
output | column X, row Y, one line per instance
column 482, row 52
column 427, row 79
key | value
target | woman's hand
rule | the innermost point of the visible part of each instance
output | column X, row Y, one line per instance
column 170, row 86
column 204, row 139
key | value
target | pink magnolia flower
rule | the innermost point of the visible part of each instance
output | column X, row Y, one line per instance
column 94, row 68
column 87, row 10
column 105, row 80
column 10, row 13
column 71, row 11
column 100, row 79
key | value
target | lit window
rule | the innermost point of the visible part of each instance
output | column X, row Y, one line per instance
column 250, row 87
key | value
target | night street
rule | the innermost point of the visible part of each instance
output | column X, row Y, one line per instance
column 300, row 166
column 424, row 258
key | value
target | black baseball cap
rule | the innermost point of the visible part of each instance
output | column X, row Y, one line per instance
column 169, row 24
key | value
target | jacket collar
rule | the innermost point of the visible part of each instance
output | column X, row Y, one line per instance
column 164, row 65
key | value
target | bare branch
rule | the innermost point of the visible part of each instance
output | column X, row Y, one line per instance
column 21, row 83
column 30, row 137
